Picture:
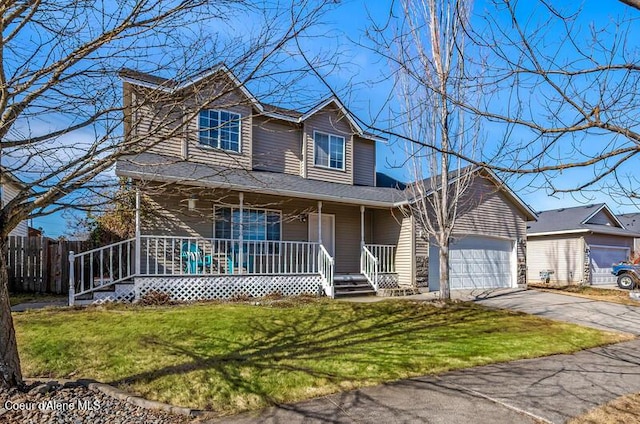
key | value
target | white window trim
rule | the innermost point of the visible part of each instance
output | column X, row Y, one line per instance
column 206, row 146
column 344, row 151
column 237, row 207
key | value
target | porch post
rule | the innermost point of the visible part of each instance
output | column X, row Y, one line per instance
column 138, row 243
column 320, row 222
column 361, row 237
column 241, row 235
column 361, row 227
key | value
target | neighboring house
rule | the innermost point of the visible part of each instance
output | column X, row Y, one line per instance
column 249, row 199
column 10, row 187
column 631, row 222
column 578, row 244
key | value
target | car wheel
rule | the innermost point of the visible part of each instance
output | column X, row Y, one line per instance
column 625, row 281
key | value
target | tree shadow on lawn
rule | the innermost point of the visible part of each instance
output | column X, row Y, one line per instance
column 366, row 336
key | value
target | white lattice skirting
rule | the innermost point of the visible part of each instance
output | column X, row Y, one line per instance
column 388, row 281
column 187, row 289
column 121, row 293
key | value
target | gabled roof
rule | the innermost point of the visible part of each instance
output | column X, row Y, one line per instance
column 486, row 172
column 171, row 86
column 631, row 221
column 576, row 220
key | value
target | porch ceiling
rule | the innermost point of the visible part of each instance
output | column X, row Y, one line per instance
column 154, row 167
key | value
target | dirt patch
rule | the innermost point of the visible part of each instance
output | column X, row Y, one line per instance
column 624, row 410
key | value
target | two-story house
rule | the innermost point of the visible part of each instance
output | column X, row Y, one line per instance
column 245, row 199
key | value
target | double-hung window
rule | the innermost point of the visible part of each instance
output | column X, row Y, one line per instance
column 329, row 150
column 220, row 129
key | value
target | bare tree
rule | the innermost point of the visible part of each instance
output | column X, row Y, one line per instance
column 61, row 111
column 427, row 52
column 562, row 92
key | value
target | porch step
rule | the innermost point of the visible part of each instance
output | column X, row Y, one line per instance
column 103, row 294
column 352, row 285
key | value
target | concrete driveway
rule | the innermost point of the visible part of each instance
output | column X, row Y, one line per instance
column 551, row 389
column 591, row 313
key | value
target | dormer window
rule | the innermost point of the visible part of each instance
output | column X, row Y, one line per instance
column 220, row 129
column 329, row 150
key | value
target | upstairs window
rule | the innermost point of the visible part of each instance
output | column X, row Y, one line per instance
column 220, row 129
column 329, row 150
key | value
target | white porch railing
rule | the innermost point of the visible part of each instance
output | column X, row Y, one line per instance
column 101, row 267
column 325, row 267
column 386, row 254
column 178, row 256
column 369, row 267
column 172, row 255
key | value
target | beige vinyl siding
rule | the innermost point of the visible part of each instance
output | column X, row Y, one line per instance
column 602, row 218
column 486, row 210
column 329, row 121
column 276, row 146
column 158, row 120
column 564, row 255
column 405, row 254
column 204, row 154
column 364, row 162
column 9, row 192
column 155, row 122
column 386, row 228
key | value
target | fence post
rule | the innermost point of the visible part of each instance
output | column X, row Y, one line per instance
column 72, row 290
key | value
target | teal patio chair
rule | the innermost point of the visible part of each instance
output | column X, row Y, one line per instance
column 193, row 259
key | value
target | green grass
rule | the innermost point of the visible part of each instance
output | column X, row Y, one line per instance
column 235, row 357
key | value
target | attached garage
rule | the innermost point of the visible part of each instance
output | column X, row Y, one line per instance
column 602, row 257
column 476, row 262
column 578, row 244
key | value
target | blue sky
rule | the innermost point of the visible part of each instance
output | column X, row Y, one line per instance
column 362, row 89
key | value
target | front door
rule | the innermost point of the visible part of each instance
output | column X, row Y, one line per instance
column 328, row 231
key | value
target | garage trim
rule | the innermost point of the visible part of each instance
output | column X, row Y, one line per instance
column 434, row 266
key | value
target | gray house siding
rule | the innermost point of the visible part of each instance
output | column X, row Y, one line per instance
column 331, row 121
column 364, row 162
column 486, row 210
column 276, row 146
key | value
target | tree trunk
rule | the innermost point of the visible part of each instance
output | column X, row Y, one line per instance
column 10, row 374
column 445, row 290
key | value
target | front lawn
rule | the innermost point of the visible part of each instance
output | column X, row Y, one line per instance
column 235, row 357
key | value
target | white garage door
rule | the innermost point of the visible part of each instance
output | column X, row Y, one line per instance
column 477, row 262
column 602, row 257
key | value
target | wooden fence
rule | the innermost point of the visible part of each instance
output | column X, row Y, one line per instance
column 40, row 264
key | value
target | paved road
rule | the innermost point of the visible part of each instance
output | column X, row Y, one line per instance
column 550, row 389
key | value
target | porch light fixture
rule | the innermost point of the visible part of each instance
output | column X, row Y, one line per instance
column 191, row 203
column 302, row 217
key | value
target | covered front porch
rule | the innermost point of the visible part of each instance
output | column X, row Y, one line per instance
column 235, row 244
